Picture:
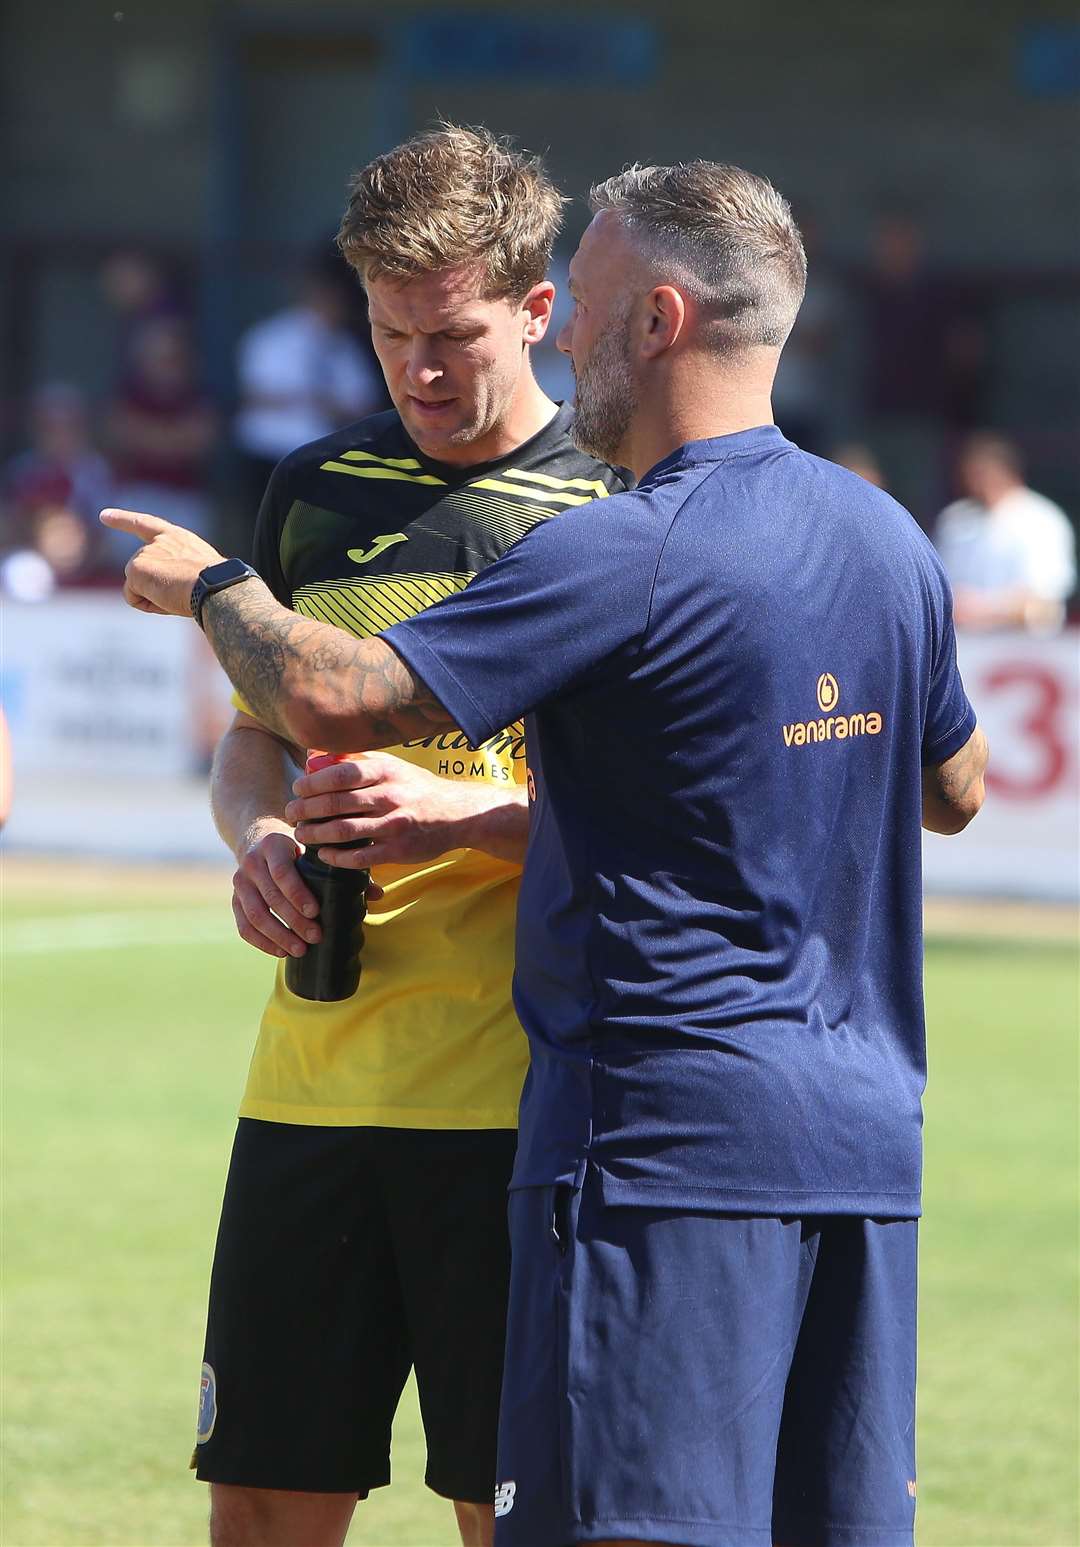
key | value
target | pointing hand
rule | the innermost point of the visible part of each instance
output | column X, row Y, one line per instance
column 159, row 577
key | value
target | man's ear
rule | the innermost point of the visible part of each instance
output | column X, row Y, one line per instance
column 537, row 308
column 665, row 318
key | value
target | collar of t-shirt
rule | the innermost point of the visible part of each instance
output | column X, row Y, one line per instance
column 717, row 448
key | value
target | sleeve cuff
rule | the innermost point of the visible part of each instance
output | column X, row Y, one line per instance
column 943, row 747
column 455, row 699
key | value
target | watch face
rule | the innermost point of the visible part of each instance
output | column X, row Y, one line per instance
column 230, row 569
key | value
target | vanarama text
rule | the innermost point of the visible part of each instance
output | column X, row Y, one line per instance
column 838, row 727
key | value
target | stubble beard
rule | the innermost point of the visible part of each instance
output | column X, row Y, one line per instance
column 491, row 401
column 607, row 397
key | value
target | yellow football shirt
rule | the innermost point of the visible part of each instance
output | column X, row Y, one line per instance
column 360, row 530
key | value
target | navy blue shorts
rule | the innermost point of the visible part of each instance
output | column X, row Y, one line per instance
column 706, row 1379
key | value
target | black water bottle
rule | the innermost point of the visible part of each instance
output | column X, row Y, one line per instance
column 331, row 969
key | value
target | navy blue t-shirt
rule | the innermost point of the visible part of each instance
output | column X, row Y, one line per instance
column 734, row 674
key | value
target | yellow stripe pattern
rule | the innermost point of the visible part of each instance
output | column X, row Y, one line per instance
column 556, row 497
column 364, row 607
column 369, row 456
column 380, row 470
column 594, row 485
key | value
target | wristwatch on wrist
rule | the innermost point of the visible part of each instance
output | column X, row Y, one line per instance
column 218, row 577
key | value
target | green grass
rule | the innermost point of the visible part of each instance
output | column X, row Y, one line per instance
column 122, row 1071
column 998, row 1397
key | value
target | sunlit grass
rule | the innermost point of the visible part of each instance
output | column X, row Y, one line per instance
column 122, row 1071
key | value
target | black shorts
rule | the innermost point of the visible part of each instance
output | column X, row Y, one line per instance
column 346, row 1256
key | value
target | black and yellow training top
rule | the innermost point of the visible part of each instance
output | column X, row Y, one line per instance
column 361, row 530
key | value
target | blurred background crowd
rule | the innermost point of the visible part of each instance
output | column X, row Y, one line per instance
column 889, row 371
column 159, row 438
column 177, row 318
column 892, row 370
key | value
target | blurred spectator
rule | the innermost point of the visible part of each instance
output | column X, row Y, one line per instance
column 139, row 290
column 1010, row 553
column 61, row 467
column 858, row 458
column 57, row 551
column 924, row 351
column 301, row 375
column 57, row 487
column 805, row 390
column 162, row 428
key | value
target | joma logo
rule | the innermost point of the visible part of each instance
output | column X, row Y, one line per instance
column 380, row 545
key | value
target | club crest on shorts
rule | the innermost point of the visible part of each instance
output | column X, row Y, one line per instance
column 504, row 1498
column 207, row 1405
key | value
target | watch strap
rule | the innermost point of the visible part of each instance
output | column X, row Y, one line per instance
column 218, row 577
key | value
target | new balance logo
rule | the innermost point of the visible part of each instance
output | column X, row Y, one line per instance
column 380, row 545
column 504, row 1498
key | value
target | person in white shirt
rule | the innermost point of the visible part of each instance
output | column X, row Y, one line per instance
column 301, row 376
column 1010, row 553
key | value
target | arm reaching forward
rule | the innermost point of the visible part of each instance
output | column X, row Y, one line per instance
column 310, row 682
column 408, row 815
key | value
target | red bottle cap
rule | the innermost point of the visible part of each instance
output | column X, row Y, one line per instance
column 317, row 760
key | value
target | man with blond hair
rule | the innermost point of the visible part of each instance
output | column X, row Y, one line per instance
column 744, row 702
column 363, row 1230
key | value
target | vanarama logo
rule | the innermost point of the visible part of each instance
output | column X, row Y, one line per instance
column 830, row 726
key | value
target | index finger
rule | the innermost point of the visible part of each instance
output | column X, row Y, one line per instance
column 139, row 523
column 356, row 774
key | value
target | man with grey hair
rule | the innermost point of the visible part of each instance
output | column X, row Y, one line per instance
column 743, row 701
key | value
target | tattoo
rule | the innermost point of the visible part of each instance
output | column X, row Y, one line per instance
column 953, row 791
column 301, row 678
column 956, row 777
column 964, row 769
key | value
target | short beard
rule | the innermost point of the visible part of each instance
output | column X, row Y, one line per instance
column 607, row 395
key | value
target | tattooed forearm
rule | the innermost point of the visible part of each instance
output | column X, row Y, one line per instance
column 313, row 683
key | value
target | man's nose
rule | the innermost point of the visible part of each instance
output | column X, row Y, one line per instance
column 423, row 367
column 562, row 342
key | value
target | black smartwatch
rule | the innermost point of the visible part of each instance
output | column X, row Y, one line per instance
column 218, row 577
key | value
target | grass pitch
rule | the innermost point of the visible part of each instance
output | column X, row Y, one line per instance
column 129, row 1014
